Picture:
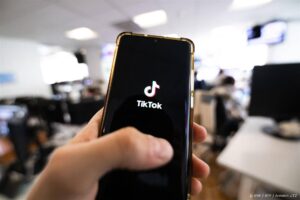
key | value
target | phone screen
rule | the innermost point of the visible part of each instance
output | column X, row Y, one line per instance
column 150, row 90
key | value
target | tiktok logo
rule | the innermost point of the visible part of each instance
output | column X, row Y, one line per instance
column 150, row 91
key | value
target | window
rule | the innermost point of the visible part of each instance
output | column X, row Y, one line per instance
column 62, row 66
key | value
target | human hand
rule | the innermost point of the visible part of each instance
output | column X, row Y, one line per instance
column 73, row 170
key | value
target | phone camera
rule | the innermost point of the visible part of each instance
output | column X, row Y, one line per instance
column 155, row 40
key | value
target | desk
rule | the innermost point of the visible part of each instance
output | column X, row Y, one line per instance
column 263, row 157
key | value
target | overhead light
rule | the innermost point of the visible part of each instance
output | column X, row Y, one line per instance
column 247, row 4
column 151, row 19
column 82, row 33
column 172, row 35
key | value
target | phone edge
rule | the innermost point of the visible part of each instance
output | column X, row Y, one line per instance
column 110, row 80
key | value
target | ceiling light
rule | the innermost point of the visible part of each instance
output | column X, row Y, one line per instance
column 151, row 19
column 82, row 33
column 246, row 4
column 172, row 35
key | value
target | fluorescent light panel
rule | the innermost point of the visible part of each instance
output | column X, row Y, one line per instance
column 172, row 35
column 82, row 33
column 151, row 19
column 247, row 4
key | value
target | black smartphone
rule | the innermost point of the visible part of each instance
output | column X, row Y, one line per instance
column 151, row 89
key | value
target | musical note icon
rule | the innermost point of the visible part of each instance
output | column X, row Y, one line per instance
column 150, row 91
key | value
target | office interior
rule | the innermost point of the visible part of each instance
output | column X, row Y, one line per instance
column 55, row 62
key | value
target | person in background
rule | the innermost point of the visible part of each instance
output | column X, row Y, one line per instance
column 199, row 85
column 229, row 111
column 220, row 77
column 227, row 90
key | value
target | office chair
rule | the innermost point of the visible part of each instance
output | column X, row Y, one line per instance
column 21, row 136
column 221, row 120
column 84, row 110
column 18, row 135
column 213, row 116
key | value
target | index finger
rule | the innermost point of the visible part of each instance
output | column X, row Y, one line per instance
column 90, row 131
column 199, row 133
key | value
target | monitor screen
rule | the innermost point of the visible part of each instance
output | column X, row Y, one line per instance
column 275, row 91
column 7, row 112
column 272, row 32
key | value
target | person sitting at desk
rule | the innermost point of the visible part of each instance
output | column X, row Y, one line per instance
column 229, row 111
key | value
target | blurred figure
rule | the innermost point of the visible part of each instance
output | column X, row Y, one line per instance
column 226, row 90
column 199, row 85
column 229, row 111
column 220, row 77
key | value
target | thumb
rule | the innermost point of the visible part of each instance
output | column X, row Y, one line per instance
column 77, row 167
column 131, row 149
column 126, row 148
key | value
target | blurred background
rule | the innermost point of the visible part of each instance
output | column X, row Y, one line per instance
column 55, row 60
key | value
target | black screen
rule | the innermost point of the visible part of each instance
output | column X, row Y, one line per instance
column 275, row 91
column 142, row 65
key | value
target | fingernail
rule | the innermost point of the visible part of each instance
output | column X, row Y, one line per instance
column 162, row 148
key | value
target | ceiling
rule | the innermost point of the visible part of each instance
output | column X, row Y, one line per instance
column 46, row 21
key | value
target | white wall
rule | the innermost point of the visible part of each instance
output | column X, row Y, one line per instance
column 22, row 59
column 289, row 51
column 93, row 62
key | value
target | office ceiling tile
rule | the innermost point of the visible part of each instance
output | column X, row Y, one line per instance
column 13, row 9
column 46, row 20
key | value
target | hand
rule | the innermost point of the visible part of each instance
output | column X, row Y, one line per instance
column 73, row 170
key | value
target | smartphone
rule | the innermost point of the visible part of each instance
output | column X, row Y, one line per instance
column 151, row 89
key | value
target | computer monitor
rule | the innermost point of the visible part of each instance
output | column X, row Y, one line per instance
column 272, row 32
column 8, row 112
column 275, row 91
